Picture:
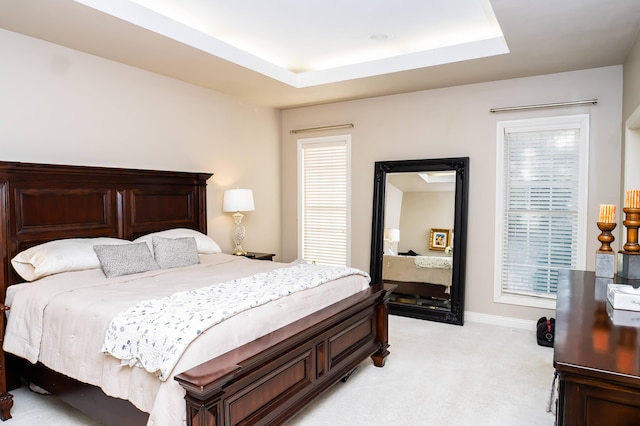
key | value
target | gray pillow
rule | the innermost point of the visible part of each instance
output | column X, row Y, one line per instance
column 125, row 259
column 175, row 252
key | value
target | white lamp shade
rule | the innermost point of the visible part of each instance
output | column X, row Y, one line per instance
column 392, row 234
column 238, row 200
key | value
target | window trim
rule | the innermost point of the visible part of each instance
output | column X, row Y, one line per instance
column 326, row 140
column 543, row 123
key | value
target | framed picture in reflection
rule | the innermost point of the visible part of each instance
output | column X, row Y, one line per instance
column 438, row 238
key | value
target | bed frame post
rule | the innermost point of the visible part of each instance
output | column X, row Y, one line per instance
column 6, row 399
column 201, row 413
column 204, row 404
column 382, row 327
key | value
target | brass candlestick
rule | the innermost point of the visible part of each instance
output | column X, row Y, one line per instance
column 605, row 236
column 632, row 222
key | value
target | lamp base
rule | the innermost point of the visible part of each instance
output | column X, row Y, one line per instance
column 238, row 235
column 239, row 251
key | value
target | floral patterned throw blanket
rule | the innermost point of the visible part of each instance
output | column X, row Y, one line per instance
column 432, row 262
column 153, row 334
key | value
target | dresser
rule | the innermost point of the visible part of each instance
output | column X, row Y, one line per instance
column 597, row 361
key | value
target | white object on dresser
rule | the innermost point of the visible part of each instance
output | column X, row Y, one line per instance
column 623, row 296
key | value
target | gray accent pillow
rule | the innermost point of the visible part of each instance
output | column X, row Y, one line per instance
column 175, row 252
column 125, row 259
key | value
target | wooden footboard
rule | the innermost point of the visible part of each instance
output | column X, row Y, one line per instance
column 263, row 382
column 269, row 380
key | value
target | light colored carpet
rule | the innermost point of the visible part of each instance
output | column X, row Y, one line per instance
column 437, row 374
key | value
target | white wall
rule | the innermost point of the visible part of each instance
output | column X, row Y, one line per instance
column 62, row 106
column 393, row 206
column 455, row 122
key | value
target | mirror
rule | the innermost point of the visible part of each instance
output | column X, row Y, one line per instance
column 418, row 238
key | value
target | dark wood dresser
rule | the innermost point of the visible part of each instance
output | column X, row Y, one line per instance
column 598, row 362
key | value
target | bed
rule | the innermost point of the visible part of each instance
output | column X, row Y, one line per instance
column 425, row 276
column 265, row 380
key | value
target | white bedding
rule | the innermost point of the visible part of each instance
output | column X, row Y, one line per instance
column 433, row 262
column 61, row 321
column 155, row 333
column 405, row 269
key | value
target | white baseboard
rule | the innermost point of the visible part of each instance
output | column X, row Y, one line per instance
column 500, row 320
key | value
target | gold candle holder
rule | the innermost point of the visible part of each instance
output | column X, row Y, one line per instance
column 631, row 222
column 605, row 236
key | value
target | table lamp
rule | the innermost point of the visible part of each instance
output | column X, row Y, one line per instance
column 238, row 200
column 391, row 236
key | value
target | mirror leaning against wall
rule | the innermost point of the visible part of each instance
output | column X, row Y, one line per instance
column 418, row 238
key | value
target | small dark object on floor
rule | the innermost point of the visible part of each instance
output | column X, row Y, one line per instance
column 545, row 331
column 345, row 378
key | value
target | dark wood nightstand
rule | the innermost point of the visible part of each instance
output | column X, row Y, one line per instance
column 260, row 256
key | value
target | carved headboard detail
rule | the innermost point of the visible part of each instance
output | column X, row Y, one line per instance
column 44, row 202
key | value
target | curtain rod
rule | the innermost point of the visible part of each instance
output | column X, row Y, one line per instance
column 552, row 105
column 317, row 129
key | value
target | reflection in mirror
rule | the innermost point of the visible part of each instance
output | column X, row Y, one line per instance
column 421, row 208
column 419, row 229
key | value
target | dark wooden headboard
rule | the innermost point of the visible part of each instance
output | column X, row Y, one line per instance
column 44, row 202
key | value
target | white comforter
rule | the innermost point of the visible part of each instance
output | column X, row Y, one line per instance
column 155, row 333
column 61, row 321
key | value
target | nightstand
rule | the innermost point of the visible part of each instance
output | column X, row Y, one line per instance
column 259, row 256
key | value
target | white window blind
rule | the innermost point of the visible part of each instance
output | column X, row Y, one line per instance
column 542, row 206
column 324, row 200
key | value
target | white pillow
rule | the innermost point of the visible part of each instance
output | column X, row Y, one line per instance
column 72, row 254
column 204, row 243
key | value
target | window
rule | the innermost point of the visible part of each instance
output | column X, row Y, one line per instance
column 323, row 206
column 541, row 206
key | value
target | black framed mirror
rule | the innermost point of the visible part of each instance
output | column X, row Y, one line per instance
column 418, row 238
